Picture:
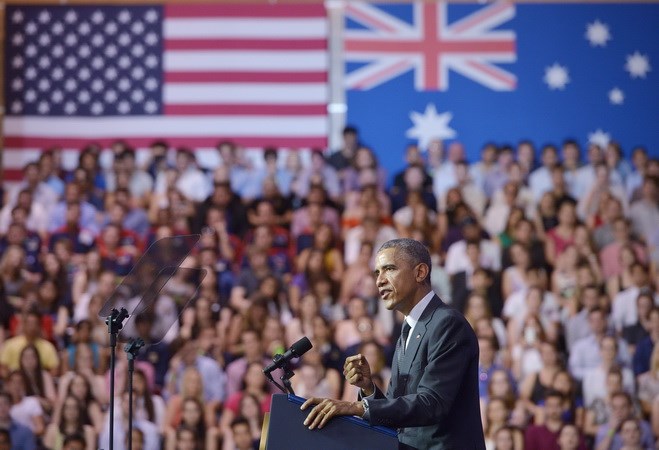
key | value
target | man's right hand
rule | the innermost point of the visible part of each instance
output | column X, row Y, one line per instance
column 358, row 373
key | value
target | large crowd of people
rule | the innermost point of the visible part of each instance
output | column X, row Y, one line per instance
column 552, row 255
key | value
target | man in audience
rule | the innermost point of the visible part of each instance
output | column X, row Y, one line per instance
column 609, row 434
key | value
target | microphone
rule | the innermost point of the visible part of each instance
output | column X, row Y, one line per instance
column 298, row 349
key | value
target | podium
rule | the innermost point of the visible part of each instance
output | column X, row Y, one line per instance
column 285, row 430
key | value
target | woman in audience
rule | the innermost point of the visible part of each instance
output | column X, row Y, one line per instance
column 38, row 382
column 562, row 235
column 78, row 387
column 313, row 379
column 323, row 340
column 514, row 277
column 505, row 238
column 627, row 257
column 303, row 324
column 477, row 308
column 536, row 384
column 546, row 217
column 192, row 418
column 324, row 243
column 564, row 277
column 192, row 387
column 254, row 383
column 147, row 406
column 497, row 419
column 73, row 419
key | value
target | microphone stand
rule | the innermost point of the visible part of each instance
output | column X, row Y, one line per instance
column 285, row 378
column 115, row 322
column 131, row 349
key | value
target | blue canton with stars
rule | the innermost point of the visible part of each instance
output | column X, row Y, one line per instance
column 83, row 61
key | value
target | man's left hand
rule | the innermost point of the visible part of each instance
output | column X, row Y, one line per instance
column 327, row 408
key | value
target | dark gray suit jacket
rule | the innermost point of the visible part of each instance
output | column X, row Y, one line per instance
column 432, row 397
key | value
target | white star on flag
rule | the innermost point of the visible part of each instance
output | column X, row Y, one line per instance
column 598, row 34
column 599, row 137
column 556, row 76
column 616, row 96
column 430, row 125
column 638, row 65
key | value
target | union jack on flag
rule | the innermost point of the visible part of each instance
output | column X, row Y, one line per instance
column 430, row 45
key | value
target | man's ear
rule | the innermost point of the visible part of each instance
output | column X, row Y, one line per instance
column 422, row 271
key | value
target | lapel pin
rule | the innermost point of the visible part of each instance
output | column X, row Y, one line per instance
column 418, row 336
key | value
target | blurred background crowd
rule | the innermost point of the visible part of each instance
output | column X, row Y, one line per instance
column 551, row 253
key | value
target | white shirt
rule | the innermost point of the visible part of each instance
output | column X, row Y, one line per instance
column 413, row 317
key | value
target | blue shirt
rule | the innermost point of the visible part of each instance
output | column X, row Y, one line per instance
column 22, row 437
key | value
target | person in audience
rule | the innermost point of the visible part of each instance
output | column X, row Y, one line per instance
column 73, row 419
column 20, row 437
column 609, row 434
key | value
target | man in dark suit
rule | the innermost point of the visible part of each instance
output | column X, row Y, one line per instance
column 432, row 397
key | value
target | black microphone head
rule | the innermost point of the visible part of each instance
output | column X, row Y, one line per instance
column 300, row 347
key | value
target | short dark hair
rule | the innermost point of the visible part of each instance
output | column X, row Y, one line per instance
column 240, row 420
column 414, row 251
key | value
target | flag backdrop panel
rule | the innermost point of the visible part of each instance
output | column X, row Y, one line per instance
column 502, row 72
column 195, row 74
column 190, row 74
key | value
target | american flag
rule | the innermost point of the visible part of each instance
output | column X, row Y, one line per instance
column 190, row 74
column 430, row 45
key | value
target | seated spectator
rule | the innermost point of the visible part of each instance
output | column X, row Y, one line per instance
column 241, row 436
column 25, row 409
column 562, row 235
column 477, row 308
column 148, row 406
column 149, row 430
column 315, row 380
column 348, row 332
column 646, row 346
column 228, row 204
column 586, row 351
column 318, row 172
column 536, row 384
column 626, row 258
column 633, row 334
column 497, row 417
column 644, row 213
column 35, row 220
column 609, row 434
column 546, row 216
column 610, row 255
column 456, row 257
column 18, row 435
column 38, row 382
column 569, row 437
column 15, row 276
column 212, row 376
column 192, row 418
column 323, row 340
column 324, row 240
column 575, row 320
column 30, row 335
column 42, row 194
column 514, row 277
column 546, row 436
column 73, row 420
column 648, row 384
column 540, row 180
column 80, row 387
column 371, row 229
column 87, row 216
column 623, row 309
column 594, row 380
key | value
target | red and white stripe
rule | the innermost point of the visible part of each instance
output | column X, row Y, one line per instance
column 252, row 73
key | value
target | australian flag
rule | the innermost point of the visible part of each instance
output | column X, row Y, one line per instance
column 502, row 72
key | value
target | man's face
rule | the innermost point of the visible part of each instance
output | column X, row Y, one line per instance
column 553, row 408
column 241, row 436
column 395, row 280
column 620, row 408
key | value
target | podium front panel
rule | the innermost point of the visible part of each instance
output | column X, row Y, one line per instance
column 286, row 430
